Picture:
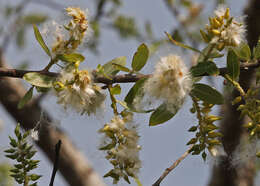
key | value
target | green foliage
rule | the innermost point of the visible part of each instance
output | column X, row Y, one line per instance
column 110, row 69
column 251, row 108
column 233, row 65
column 26, row 98
column 115, row 90
column 207, row 94
column 5, row 179
column 243, row 52
column 140, row 57
column 23, row 153
column 134, row 93
column 71, row 58
column 206, row 136
column 203, row 68
column 257, row 50
column 161, row 115
column 39, row 80
column 40, row 40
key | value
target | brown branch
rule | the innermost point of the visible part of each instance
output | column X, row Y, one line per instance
column 173, row 166
column 124, row 78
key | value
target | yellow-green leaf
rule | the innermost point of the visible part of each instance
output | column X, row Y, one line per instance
column 207, row 94
column 26, row 98
column 40, row 40
column 140, row 57
column 71, row 58
column 121, row 67
column 115, row 90
column 109, row 68
column 39, row 80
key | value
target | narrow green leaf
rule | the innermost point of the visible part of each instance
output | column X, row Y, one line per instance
column 181, row 44
column 109, row 68
column 17, row 130
column 26, row 98
column 39, row 80
column 115, row 90
column 233, row 65
column 121, row 67
column 205, row 68
column 71, row 58
column 140, row 57
column 160, row 115
column 207, row 93
column 40, row 40
column 243, row 51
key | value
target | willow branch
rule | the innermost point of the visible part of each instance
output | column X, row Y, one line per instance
column 173, row 166
column 56, row 162
column 123, row 78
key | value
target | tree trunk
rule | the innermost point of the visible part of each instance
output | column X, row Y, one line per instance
column 226, row 173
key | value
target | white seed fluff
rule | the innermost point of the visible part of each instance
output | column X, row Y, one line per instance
column 170, row 82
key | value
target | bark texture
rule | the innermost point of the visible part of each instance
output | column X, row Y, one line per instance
column 74, row 167
column 226, row 173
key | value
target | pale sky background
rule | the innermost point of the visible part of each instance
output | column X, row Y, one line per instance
column 161, row 145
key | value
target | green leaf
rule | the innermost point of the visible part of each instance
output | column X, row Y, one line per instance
column 136, row 90
column 109, row 68
column 257, row 50
column 121, row 67
column 34, row 18
column 243, row 51
column 233, row 65
column 26, row 98
column 17, row 130
column 160, row 115
column 205, row 68
column 140, row 57
column 115, row 90
column 39, row 80
column 207, row 94
column 39, row 38
column 181, row 44
column 71, row 58
column 35, row 177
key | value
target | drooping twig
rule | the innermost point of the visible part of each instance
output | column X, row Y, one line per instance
column 173, row 166
column 56, row 162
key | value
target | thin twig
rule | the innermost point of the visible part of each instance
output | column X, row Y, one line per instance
column 174, row 165
column 56, row 162
column 123, row 78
